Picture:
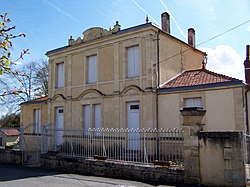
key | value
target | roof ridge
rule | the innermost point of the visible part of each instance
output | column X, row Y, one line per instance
column 194, row 77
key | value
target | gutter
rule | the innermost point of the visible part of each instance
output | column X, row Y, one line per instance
column 246, row 108
column 157, row 91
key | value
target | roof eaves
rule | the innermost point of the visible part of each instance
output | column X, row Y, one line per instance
column 202, row 86
column 56, row 50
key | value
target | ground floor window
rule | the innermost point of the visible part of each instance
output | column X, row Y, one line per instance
column 92, row 117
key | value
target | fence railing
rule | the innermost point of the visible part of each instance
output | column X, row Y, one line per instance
column 136, row 145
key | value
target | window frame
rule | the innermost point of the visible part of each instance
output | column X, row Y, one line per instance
column 37, row 125
column 133, row 61
column 91, row 78
column 194, row 102
column 59, row 79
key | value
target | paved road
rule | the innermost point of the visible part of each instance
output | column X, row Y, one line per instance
column 19, row 176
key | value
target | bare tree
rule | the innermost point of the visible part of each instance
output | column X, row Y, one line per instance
column 23, row 88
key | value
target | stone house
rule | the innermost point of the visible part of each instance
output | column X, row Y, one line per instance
column 109, row 78
column 139, row 77
column 9, row 137
column 221, row 96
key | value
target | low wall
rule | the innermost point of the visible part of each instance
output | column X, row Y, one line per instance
column 122, row 170
column 222, row 158
column 10, row 156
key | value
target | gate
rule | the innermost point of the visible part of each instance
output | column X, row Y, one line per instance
column 30, row 144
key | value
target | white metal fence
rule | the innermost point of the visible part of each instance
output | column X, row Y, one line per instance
column 136, row 145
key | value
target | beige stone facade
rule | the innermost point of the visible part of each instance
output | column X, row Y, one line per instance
column 113, row 89
column 29, row 120
column 224, row 106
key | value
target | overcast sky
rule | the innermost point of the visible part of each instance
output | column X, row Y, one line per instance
column 49, row 23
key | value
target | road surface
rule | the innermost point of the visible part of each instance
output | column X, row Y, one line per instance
column 19, row 176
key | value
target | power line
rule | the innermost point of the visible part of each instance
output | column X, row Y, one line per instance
column 224, row 32
column 216, row 36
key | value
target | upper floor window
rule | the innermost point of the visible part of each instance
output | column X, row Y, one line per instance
column 192, row 102
column 59, row 75
column 133, row 56
column 91, row 69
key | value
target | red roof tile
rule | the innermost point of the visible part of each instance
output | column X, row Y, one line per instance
column 37, row 100
column 197, row 77
column 10, row 132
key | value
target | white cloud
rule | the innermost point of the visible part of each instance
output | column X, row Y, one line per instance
column 248, row 28
column 225, row 60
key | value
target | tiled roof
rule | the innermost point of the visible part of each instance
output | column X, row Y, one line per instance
column 37, row 100
column 197, row 77
column 10, row 132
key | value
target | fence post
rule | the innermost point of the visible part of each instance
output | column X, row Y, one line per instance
column 192, row 124
column 44, row 145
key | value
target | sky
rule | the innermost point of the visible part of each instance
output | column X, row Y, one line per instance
column 222, row 27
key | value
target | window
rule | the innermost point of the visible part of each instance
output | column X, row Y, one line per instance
column 92, row 117
column 86, row 114
column 133, row 61
column 91, row 69
column 59, row 75
column 37, row 121
column 192, row 102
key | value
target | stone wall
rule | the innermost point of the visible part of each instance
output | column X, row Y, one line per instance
column 131, row 171
column 222, row 158
column 10, row 156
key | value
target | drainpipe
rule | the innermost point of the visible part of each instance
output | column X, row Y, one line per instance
column 246, row 108
column 157, row 90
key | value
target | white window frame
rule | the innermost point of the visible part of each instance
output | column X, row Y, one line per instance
column 37, row 121
column 91, row 69
column 60, row 75
column 192, row 102
column 133, row 61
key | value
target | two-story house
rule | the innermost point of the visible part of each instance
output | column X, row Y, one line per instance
column 109, row 78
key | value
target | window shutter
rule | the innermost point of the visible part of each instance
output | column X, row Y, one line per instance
column 92, row 65
column 60, row 75
column 86, row 117
column 133, row 61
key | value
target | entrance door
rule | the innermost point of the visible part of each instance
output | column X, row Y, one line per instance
column 59, row 126
column 133, row 120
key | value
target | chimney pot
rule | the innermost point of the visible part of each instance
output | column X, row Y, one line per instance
column 191, row 37
column 165, row 22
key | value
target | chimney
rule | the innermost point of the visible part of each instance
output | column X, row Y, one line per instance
column 165, row 22
column 191, row 37
column 247, row 65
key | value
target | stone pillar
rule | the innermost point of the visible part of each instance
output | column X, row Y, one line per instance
column 192, row 124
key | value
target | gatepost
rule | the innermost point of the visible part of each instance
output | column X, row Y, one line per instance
column 192, row 124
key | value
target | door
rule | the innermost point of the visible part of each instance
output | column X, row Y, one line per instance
column 133, row 120
column 59, row 126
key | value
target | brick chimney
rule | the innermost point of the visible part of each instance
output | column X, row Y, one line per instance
column 165, row 22
column 191, row 37
column 247, row 65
